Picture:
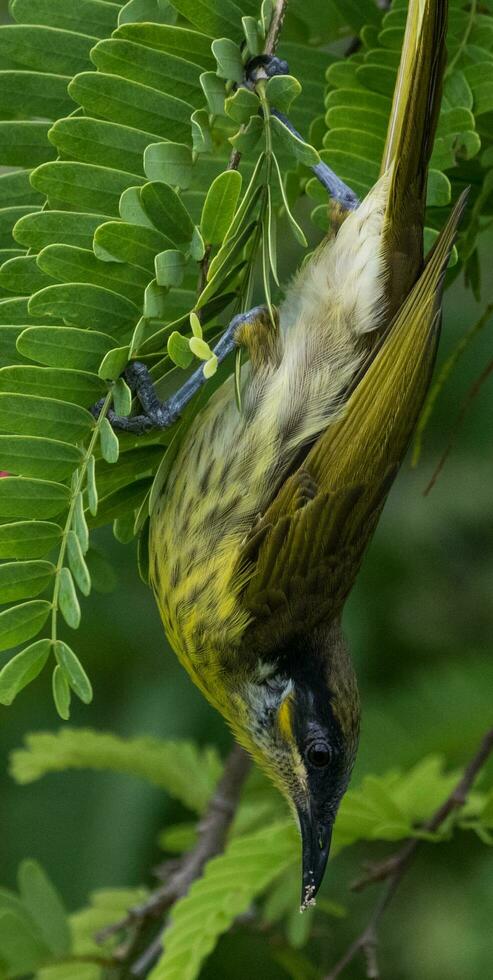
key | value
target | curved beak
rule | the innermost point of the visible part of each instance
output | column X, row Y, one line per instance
column 315, row 837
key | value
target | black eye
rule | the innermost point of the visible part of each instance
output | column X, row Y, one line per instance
column 319, row 754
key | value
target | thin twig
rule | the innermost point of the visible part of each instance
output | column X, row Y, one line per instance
column 212, row 832
column 394, row 869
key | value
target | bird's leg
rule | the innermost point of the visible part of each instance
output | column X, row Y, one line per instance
column 266, row 66
column 161, row 415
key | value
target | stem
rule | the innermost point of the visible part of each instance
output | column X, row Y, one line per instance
column 212, row 833
column 81, row 472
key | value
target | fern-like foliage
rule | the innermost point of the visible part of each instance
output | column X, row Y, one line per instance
column 261, row 858
column 125, row 235
column 358, row 103
column 120, row 131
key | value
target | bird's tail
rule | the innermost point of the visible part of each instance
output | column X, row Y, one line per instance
column 409, row 144
column 386, row 400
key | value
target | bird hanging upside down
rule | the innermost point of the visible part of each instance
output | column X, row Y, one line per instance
column 258, row 535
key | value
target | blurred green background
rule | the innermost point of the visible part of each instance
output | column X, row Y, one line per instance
column 420, row 625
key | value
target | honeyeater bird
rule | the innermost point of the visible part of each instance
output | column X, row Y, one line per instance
column 261, row 526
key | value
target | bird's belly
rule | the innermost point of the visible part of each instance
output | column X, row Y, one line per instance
column 211, row 500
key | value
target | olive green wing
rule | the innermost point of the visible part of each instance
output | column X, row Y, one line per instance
column 301, row 559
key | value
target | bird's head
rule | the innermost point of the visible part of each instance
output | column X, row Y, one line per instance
column 299, row 718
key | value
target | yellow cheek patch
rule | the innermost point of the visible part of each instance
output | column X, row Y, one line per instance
column 285, row 718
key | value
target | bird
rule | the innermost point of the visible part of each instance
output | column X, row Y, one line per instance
column 262, row 522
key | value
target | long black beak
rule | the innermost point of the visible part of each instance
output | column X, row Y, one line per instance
column 316, row 837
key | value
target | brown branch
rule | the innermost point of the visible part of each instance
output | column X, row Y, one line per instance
column 396, row 866
column 212, row 832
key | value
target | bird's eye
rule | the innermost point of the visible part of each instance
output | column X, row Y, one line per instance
column 319, row 754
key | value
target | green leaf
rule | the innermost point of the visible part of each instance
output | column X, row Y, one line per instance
column 61, row 693
column 252, row 35
column 79, row 265
column 229, row 60
column 295, row 228
column 67, row 599
column 200, row 348
column 439, row 191
column 8, row 218
column 77, row 387
column 44, row 49
column 74, row 671
column 214, row 91
column 202, row 141
column 146, row 10
column 106, row 144
column 72, row 15
column 114, row 363
column 21, row 275
column 167, row 212
column 85, row 305
column 22, row 669
column 33, row 93
column 32, row 416
column 188, row 773
column 281, row 91
column 122, row 397
column 121, row 100
column 179, row 41
column 302, row 151
column 123, row 529
column 65, row 346
column 44, row 904
column 24, row 579
column 242, row 105
column 15, row 188
column 81, row 186
column 197, row 246
column 214, row 17
column 21, row 623
column 31, row 499
column 168, row 162
column 248, row 136
column 219, row 206
column 127, row 242
column 170, row 267
column 162, row 71
column 22, row 950
column 38, row 457
column 92, row 492
column 77, row 564
column 109, row 442
column 225, row 890
column 25, row 144
column 28, row 539
column 79, row 524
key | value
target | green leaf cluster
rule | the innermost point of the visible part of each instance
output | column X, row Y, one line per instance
column 358, row 103
column 122, row 120
column 262, row 855
column 34, row 928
